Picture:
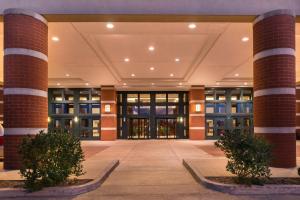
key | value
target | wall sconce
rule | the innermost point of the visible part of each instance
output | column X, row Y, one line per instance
column 198, row 107
column 180, row 119
column 76, row 119
column 49, row 119
column 107, row 108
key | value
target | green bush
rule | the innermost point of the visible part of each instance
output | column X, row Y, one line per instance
column 48, row 159
column 248, row 156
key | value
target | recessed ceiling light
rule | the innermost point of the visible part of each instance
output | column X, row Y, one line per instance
column 217, row 83
column 124, row 84
column 152, row 84
column 245, row 83
column 152, row 68
column 192, row 26
column 110, row 25
column 177, row 59
column 126, row 59
column 180, row 83
column 171, row 74
column 133, row 75
column 151, row 48
column 236, row 74
column 86, row 83
column 67, row 75
column 55, row 38
column 245, row 39
column 57, row 83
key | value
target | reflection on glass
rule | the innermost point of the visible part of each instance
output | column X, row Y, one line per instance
column 235, row 95
column 248, row 107
column 95, row 95
column 209, row 108
column 57, row 95
column 69, row 108
column 132, row 110
column 84, row 133
column 161, row 110
column 139, row 128
column 220, row 125
column 172, row 128
column 96, row 123
column 83, row 108
column 84, row 95
column 209, row 97
column 57, row 108
column 132, row 98
column 220, row 95
column 235, row 123
column 160, row 98
column 220, row 107
column 236, row 107
column 68, row 123
column 95, row 109
column 172, row 110
column 209, row 127
column 173, row 98
column 246, row 122
column 84, row 123
column 56, row 123
column 145, row 98
column 144, row 110
column 96, row 133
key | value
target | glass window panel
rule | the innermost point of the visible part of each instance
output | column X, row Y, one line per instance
column 236, row 108
column 144, row 110
column 120, row 110
column 84, row 123
column 247, row 95
column 132, row 98
column 209, row 97
column 248, row 107
column 173, row 110
column 221, row 108
column 220, row 125
column 173, row 98
column 56, row 123
column 246, row 122
column 236, row 122
column 69, row 108
column 145, row 98
column 96, row 123
column 161, row 110
column 95, row 95
column 235, row 95
column 95, row 108
column 132, row 110
column 184, row 97
column 160, row 98
column 69, row 95
column 84, row 95
column 209, row 127
column 210, row 108
column 68, row 123
column 84, row 108
column 57, row 95
column 120, row 98
column 58, row 108
column 96, row 133
column 220, row 95
column 84, row 133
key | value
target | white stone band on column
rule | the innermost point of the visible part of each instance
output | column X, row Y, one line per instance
column 197, row 115
column 274, row 52
column 197, row 128
column 108, row 128
column 274, row 91
column 18, row 11
column 108, row 115
column 26, row 52
column 25, row 91
column 274, row 13
column 197, row 101
column 274, row 129
column 112, row 102
column 23, row 131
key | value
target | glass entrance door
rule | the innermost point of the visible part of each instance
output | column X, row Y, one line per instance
column 166, row 128
column 139, row 128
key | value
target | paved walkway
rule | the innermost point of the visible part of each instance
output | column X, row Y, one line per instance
column 153, row 170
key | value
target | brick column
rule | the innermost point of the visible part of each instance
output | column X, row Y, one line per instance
column 1, row 103
column 274, row 84
column 298, row 111
column 108, row 113
column 197, row 117
column 25, row 80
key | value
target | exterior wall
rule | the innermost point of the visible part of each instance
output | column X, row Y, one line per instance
column 197, row 118
column 108, row 118
column 274, row 84
column 298, row 111
column 25, row 80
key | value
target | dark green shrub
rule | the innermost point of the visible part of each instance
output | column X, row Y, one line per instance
column 48, row 159
column 248, row 156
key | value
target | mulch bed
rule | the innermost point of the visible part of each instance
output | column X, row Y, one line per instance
column 20, row 183
column 273, row 180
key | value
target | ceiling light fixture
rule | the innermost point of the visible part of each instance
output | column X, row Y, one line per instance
column 245, row 83
column 55, row 38
column 126, row 59
column 151, row 48
column 217, row 83
column 110, row 25
column 171, row 74
column 152, row 68
column 152, row 83
column 236, row 74
column 192, row 26
column 87, row 84
column 57, row 83
column 177, row 59
column 245, row 39
column 124, row 84
column 133, row 75
column 180, row 83
column 67, row 75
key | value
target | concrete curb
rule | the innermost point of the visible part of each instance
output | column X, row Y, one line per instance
column 62, row 191
column 240, row 189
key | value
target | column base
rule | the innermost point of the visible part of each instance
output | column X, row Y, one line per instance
column 108, row 135
column 197, row 135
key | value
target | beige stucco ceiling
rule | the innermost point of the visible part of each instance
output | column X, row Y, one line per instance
column 91, row 53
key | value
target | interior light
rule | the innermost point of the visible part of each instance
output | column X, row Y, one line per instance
column 76, row 119
column 110, row 25
column 198, row 107
column 49, row 119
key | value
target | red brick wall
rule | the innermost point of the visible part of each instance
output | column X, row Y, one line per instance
column 274, row 85
column 108, row 119
column 298, row 111
column 25, row 82
column 197, row 119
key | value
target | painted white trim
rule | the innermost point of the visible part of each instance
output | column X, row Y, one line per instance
column 298, row 87
column 274, row 52
column 297, row 101
column 108, row 115
column 297, row 114
column 26, row 52
column 108, row 128
column 108, row 102
column 23, row 131
column 197, row 128
column 1, row 102
column 197, row 115
column 1, row 115
column 18, row 11
column 274, row 129
column 273, row 13
column 197, row 101
column 274, row 91
column 297, row 127
column 25, row 91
